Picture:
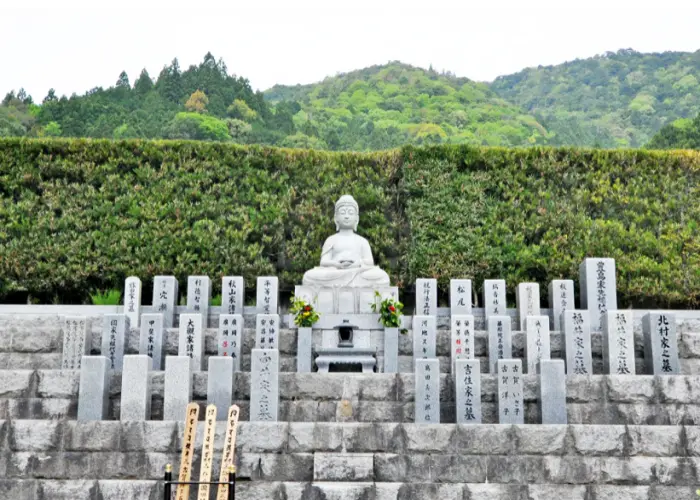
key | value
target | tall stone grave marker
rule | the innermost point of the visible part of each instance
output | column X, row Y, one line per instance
column 427, row 391
column 462, row 338
column 230, row 338
column 468, row 391
column 114, row 329
column 391, row 350
column 191, row 339
column 165, row 294
column 198, row 297
column 500, row 340
column 660, row 344
column 618, row 343
column 136, row 388
column 264, row 385
column 220, row 385
column 527, row 301
column 598, row 289
column 77, row 341
column 267, row 331
column 305, row 359
column 151, row 339
column 494, row 298
column 93, row 393
column 460, row 296
column 552, row 391
column 537, row 341
column 561, row 298
column 132, row 300
column 178, row 387
column 426, row 297
column 577, row 342
column 510, row 392
column 232, row 294
column 424, row 337
column 267, row 295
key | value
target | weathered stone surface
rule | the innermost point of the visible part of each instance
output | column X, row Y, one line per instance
column 35, row 435
column 68, row 490
column 556, row 491
column 343, row 467
column 149, row 436
column 113, row 490
column 541, row 439
column 57, row 384
column 308, row 436
column 15, row 383
column 605, row 492
column 92, row 436
column 598, row 441
column 262, row 437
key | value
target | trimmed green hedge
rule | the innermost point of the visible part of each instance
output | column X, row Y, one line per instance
column 76, row 215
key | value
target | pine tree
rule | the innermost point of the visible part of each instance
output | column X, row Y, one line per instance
column 123, row 81
column 143, row 83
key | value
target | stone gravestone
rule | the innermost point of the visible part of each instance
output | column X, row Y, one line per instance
column 494, row 298
column 598, row 289
column 577, row 342
column 424, row 337
column 552, row 391
column 198, row 297
column 500, row 340
column 305, row 359
column 114, row 330
column 177, row 392
column 232, row 295
column 136, row 388
column 462, row 338
column 151, row 339
column 460, row 296
column 190, row 339
column 220, row 385
column 561, row 298
column 77, row 341
column 264, row 385
column 426, row 297
column 511, row 409
column 267, row 328
column 93, row 392
column 527, row 300
column 132, row 300
column 660, row 344
column 230, row 338
column 618, row 343
column 267, row 295
column 391, row 350
column 427, row 391
column 468, row 391
column 165, row 295
column 537, row 341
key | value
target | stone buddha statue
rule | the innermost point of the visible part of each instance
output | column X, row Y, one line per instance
column 346, row 258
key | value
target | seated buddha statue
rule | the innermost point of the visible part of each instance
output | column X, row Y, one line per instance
column 346, row 258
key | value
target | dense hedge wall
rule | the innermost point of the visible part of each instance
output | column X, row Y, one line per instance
column 77, row 215
column 535, row 214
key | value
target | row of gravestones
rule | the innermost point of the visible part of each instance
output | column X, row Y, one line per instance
column 135, row 405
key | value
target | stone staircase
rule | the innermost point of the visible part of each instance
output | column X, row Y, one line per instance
column 351, row 436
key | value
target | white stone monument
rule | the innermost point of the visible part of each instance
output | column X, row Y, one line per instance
column 267, row 295
column 165, row 295
column 132, row 300
column 598, row 289
column 232, row 295
column 494, row 298
column 198, row 296
column 561, row 298
column 527, row 300
column 460, row 296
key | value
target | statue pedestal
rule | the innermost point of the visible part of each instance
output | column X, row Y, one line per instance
column 342, row 300
column 327, row 356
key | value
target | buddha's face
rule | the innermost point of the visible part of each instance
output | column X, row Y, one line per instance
column 346, row 217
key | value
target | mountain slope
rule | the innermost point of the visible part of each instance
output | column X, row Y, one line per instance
column 611, row 100
column 389, row 105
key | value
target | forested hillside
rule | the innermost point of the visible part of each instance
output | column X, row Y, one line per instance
column 613, row 100
column 681, row 134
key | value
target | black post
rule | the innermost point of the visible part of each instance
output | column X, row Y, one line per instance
column 232, row 483
column 168, row 487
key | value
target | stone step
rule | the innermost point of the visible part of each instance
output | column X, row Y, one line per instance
column 43, row 489
column 310, row 397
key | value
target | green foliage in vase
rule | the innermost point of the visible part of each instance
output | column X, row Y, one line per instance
column 304, row 313
column 389, row 311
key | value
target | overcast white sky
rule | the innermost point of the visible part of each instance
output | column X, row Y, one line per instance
column 87, row 43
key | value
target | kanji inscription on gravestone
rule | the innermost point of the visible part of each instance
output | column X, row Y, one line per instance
column 561, row 298
column 165, row 295
column 191, row 342
column 500, row 340
column 426, row 297
column 198, row 296
column 267, row 331
column 114, row 328
column 267, row 295
column 468, row 391
column 598, row 289
column 151, row 340
column 494, row 297
column 424, row 337
column 510, row 392
column 660, row 344
column 527, row 301
column 537, row 342
column 230, row 338
column 264, row 385
column 460, row 296
column 577, row 342
column 427, row 403
column 462, row 337
column 618, row 343
column 132, row 300
column 232, row 294
column 77, row 341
